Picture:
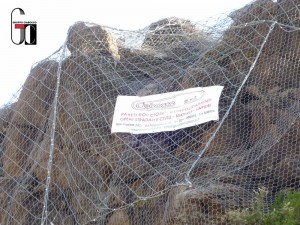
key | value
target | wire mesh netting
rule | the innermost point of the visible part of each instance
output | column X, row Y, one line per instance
column 60, row 164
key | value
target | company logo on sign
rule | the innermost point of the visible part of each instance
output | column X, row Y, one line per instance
column 22, row 31
column 168, row 103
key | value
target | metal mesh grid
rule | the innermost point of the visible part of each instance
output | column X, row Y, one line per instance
column 60, row 164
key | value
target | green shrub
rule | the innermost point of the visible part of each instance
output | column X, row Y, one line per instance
column 284, row 211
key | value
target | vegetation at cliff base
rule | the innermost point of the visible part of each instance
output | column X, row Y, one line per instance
column 284, row 211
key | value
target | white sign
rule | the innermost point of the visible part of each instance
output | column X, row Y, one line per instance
column 166, row 112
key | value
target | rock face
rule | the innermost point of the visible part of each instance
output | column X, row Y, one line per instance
column 194, row 175
column 29, row 116
column 5, row 117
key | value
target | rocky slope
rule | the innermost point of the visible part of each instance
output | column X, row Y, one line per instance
column 103, row 178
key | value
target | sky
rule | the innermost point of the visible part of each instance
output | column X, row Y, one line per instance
column 54, row 17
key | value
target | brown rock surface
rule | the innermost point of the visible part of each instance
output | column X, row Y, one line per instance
column 37, row 95
column 119, row 218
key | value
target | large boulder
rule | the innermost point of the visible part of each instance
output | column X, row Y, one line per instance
column 241, row 44
column 289, row 13
column 168, row 31
column 90, row 39
column 206, row 205
column 176, row 38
